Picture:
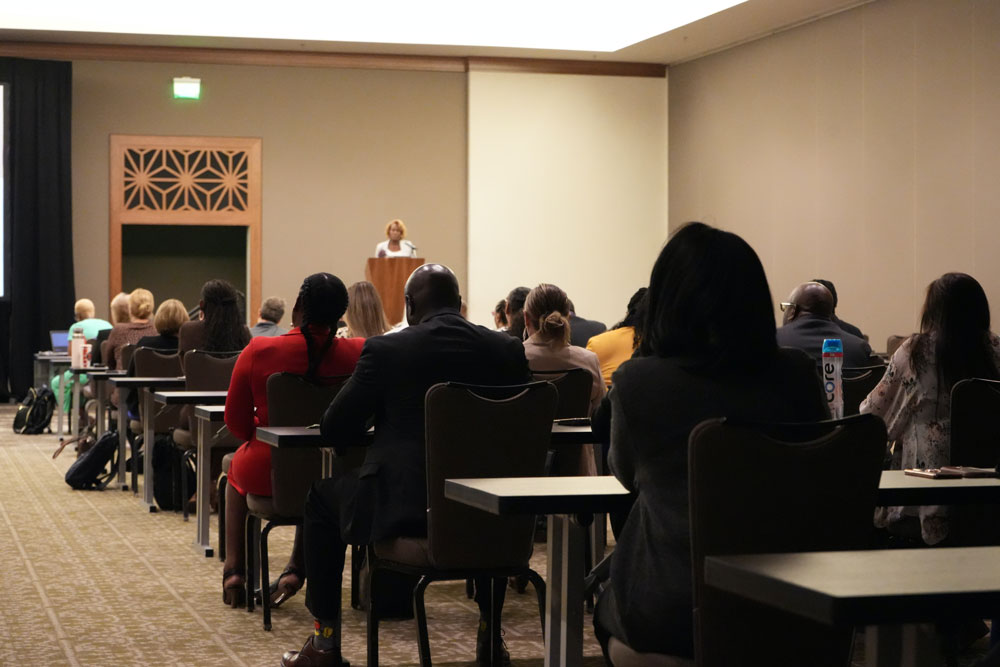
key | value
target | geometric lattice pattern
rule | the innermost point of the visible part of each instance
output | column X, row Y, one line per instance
column 185, row 179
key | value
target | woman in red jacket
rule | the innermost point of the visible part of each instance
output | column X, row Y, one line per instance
column 312, row 349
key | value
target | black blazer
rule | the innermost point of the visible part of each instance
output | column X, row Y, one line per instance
column 808, row 333
column 389, row 383
column 581, row 330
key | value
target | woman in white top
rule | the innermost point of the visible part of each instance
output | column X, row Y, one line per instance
column 395, row 245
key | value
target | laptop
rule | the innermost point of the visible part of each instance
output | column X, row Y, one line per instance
column 60, row 341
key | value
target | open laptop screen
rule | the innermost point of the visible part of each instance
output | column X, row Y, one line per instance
column 60, row 341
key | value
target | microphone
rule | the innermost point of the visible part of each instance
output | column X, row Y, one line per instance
column 412, row 247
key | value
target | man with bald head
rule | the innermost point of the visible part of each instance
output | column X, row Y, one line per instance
column 808, row 321
column 387, row 496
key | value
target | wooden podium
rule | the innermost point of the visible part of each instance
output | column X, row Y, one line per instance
column 389, row 275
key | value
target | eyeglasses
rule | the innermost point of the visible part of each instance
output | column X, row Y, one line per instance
column 784, row 305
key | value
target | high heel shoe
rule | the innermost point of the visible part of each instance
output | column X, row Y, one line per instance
column 280, row 591
column 234, row 592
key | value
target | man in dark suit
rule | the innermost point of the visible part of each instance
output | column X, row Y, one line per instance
column 387, row 496
column 581, row 330
column 808, row 321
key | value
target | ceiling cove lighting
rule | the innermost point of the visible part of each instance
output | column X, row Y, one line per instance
column 187, row 88
column 573, row 25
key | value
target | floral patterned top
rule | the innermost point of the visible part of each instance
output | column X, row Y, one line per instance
column 917, row 415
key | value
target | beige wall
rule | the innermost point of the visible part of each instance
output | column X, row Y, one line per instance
column 344, row 151
column 567, row 184
column 863, row 148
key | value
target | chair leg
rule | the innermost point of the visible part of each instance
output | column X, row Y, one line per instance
column 470, row 588
column 372, row 614
column 539, row 584
column 223, row 483
column 356, row 556
column 420, row 614
column 189, row 455
column 265, row 585
column 250, row 553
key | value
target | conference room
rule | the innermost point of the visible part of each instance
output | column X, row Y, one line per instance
column 851, row 141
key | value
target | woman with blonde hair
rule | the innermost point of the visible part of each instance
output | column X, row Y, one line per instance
column 364, row 317
column 395, row 244
column 140, row 309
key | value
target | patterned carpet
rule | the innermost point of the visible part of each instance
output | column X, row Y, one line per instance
column 89, row 578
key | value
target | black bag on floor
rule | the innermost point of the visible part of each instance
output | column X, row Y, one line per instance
column 168, row 466
column 35, row 412
column 89, row 471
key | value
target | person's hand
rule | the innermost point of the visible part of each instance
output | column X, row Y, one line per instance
column 381, row 253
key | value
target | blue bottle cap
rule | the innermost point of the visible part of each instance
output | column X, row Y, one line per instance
column 833, row 346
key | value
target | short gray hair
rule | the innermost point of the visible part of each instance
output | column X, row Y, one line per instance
column 273, row 309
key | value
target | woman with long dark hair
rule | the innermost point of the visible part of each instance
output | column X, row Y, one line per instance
column 707, row 350
column 914, row 396
column 222, row 327
column 310, row 348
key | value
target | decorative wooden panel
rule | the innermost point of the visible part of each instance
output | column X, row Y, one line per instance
column 186, row 181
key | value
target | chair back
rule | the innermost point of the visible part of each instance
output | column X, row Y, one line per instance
column 573, row 386
column 127, row 352
column 476, row 432
column 105, row 347
column 208, row 371
column 757, row 488
column 858, row 382
column 292, row 400
column 152, row 363
column 975, row 441
column 892, row 344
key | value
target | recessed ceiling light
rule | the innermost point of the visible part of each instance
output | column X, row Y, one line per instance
column 582, row 25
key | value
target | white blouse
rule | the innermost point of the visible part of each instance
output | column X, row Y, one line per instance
column 406, row 249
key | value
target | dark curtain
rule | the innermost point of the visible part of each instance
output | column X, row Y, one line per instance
column 40, row 215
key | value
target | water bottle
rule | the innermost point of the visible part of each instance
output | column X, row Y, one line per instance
column 76, row 349
column 833, row 364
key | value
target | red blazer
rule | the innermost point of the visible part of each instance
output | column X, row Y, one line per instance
column 246, row 402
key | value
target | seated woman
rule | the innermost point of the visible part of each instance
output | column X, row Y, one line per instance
column 395, row 244
column 914, row 396
column 707, row 350
column 168, row 320
column 312, row 349
column 364, row 317
column 140, row 307
column 616, row 346
column 222, row 327
column 546, row 320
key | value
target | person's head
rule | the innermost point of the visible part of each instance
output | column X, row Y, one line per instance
column 140, row 304
column 709, row 302
column 635, row 314
column 829, row 285
column 364, row 316
column 429, row 288
column 546, row 313
column 395, row 230
column 119, row 308
column 273, row 309
column 169, row 317
column 83, row 309
column 500, row 314
column 807, row 299
column 956, row 316
column 320, row 304
column 515, row 310
column 224, row 325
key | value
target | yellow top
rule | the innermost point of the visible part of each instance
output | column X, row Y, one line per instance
column 612, row 348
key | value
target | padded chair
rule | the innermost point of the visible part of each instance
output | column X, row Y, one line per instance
column 291, row 401
column 153, row 363
column 573, row 385
column 463, row 542
column 776, row 489
column 858, row 382
column 975, row 441
column 892, row 344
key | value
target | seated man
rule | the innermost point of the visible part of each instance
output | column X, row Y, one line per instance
column 581, row 329
column 268, row 317
column 808, row 321
column 387, row 496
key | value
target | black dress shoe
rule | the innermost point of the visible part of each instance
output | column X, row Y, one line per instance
column 483, row 648
column 310, row 656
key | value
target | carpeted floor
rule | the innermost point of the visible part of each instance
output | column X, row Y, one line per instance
column 89, row 578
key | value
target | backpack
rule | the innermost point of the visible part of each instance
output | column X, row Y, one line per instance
column 88, row 471
column 35, row 412
column 168, row 467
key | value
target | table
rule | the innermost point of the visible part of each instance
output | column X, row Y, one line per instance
column 147, row 385
column 305, row 436
column 880, row 589
column 207, row 417
column 561, row 498
column 100, row 376
column 898, row 488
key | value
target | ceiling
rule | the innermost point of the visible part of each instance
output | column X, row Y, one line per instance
column 748, row 21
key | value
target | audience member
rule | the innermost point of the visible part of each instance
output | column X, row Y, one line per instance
column 807, row 323
column 546, row 320
column 268, row 317
column 221, row 328
column 395, row 244
column 168, row 320
column 365, row 316
column 708, row 343
column 390, row 498
column 914, row 396
column 311, row 349
column 582, row 330
column 140, row 308
column 615, row 347
column 119, row 314
column 500, row 315
column 846, row 326
column 514, row 311
column 83, row 311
